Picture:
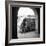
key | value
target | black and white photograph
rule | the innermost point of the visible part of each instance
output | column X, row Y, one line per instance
column 26, row 22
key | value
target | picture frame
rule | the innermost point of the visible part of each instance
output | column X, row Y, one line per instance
column 12, row 35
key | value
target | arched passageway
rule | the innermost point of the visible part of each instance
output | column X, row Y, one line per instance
column 27, row 23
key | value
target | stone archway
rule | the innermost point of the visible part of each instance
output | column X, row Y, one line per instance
column 25, row 12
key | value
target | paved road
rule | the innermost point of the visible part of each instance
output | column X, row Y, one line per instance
column 33, row 34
